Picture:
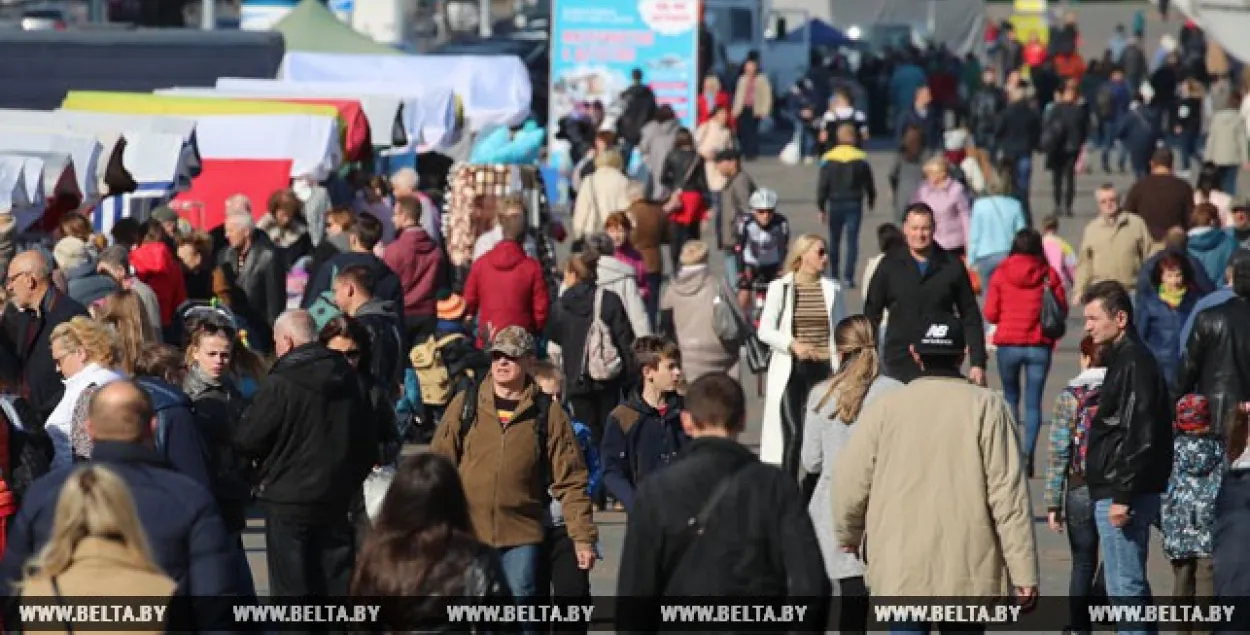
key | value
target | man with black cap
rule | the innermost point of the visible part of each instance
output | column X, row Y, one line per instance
column 734, row 206
column 939, row 423
column 1214, row 340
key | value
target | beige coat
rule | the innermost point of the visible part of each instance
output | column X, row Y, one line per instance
column 101, row 567
column 603, row 192
column 1113, row 251
column 933, row 482
column 763, row 96
column 710, row 138
column 692, row 298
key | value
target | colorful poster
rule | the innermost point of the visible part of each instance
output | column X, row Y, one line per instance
column 597, row 43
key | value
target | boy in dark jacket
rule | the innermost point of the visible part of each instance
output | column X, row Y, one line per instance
column 644, row 434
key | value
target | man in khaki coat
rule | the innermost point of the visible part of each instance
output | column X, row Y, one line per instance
column 1114, row 245
column 933, row 476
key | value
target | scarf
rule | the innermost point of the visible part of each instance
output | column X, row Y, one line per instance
column 1171, row 298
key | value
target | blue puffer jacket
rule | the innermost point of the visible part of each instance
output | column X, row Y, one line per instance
column 1189, row 505
column 1212, row 248
column 1159, row 326
column 178, row 439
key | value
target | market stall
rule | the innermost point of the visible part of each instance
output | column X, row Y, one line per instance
column 84, row 150
column 308, row 143
column 204, row 204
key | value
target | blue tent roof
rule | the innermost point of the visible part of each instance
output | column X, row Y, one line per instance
column 821, row 34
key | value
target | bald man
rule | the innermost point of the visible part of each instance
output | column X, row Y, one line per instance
column 184, row 530
column 308, row 427
column 37, row 307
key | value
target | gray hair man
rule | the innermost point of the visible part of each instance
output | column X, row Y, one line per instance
column 404, row 183
column 257, row 276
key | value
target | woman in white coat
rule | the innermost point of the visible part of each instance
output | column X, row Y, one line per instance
column 800, row 311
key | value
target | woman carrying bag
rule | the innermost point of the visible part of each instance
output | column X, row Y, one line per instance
column 800, row 311
column 686, row 184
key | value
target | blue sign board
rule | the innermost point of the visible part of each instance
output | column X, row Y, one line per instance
column 595, row 44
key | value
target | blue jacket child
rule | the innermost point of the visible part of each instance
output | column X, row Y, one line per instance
column 1197, row 471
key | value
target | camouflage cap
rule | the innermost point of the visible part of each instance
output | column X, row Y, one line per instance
column 514, row 342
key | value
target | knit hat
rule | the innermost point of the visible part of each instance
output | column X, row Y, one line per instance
column 1193, row 413
column 70, row 252
column 450, row 308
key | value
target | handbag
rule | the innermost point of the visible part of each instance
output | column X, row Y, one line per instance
column 1054, row 318
column 759, row 353
column 673, row 204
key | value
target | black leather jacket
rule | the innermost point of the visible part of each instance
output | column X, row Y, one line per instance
column 1130, row 439
column 1214, row 363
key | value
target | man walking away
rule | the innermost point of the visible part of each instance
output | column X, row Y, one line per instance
column 984, row 545
column 1067, row 126
column 1130, row 445
column 640, row 108
column 1212, row 352
column 1019, row 130
column 354, row 296
column 846, row 184
column 1161, row 198
column 513, row 445
column 717, row 522
column 916, row 280
column 983, row 110
column 308, row 429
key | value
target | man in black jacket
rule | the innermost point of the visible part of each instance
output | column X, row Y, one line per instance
column 36, row 308
column 750, row 535
column 1019, row 129
column 640, row 107
column 1219, row 340
column 257, row 276
column 983, row 110
column 308, row 430
column 353, row 293
column 917, row 280
column 1067, row 125
column 1129, row 457
column 845, row 186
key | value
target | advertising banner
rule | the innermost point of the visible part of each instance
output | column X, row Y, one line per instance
column 597, row 43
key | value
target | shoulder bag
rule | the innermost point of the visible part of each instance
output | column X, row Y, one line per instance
column 673, row 204
column 1054, row 318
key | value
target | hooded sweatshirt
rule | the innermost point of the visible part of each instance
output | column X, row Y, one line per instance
column 688, row 308
column 1189, row 506
column 1212, row 248
column 507, row 288
column 621, row 278
column 637, row 440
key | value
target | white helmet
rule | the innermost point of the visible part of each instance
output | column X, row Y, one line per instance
column 763, row 198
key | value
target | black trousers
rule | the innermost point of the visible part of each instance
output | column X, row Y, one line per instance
column 558, row 575
column 309, row 560
column 804, row 374
column 592, row 408
column 1063, row 180
column 852, row 605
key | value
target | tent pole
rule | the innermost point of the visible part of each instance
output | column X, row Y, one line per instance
column 932, row 18
column 483, row 18
column 208, row 15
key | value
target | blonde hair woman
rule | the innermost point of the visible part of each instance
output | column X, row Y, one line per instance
column 832, row 409
column 97, row 542
column 85, row 352
column 952, row 215
column 799, row 312
column 603, row 192
column 122, row 311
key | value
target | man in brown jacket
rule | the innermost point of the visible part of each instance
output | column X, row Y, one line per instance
column 967, row 534
column 1161, row 199
column 511, row 464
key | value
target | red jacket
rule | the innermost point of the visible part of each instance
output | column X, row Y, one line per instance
column 1014, row 302
column 156, row 266
column 418, row 262
column 703, row 112
column 506, row 288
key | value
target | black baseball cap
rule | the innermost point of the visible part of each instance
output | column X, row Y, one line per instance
column 939, row 334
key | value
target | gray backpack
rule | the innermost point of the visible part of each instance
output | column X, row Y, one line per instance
column 601, row 359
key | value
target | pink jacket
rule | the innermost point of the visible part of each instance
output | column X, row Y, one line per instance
column 630, row 256
column 952, row 216
column 1062, row 258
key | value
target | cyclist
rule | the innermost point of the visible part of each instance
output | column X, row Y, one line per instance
column 763, row 238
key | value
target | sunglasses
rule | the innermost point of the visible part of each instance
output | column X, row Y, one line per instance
column 495, row 357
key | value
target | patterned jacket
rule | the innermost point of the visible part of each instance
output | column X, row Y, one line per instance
column 1189, row 505
column 1062, row 424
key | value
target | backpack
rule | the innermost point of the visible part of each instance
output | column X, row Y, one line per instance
column 468, row 418
column 435, row 380
column 323, row 309
column 985, row 110
column 1087, row 399
column 601, row 359
column 1054, row 133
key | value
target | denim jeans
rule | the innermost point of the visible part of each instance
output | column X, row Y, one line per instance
column 1228, row 178
column 1124, row 552
column 1034, row 362
column 731, row 268
column 1083, row 542
column 986, row 265
column 844, row 215
column 654, row 281
column 1022, row 174
column 1186, row 144
column 1109, row 143
column 520, row 567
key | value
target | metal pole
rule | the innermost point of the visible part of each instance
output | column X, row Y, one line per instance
column 95, row 12
column 932, row 18
column 483, row 18
column 208, row 15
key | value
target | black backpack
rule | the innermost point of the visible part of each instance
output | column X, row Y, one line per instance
column 468, row 418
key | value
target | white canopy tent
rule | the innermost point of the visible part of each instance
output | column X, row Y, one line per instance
column 45, row 175
column 494, row 90
column 384, row 112
column 311, row 142
column 83, row 150
column 13, row 184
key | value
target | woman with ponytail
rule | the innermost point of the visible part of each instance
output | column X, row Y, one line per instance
column 832, row 409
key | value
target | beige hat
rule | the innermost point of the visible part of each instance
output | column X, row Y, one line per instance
column 70, row 252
